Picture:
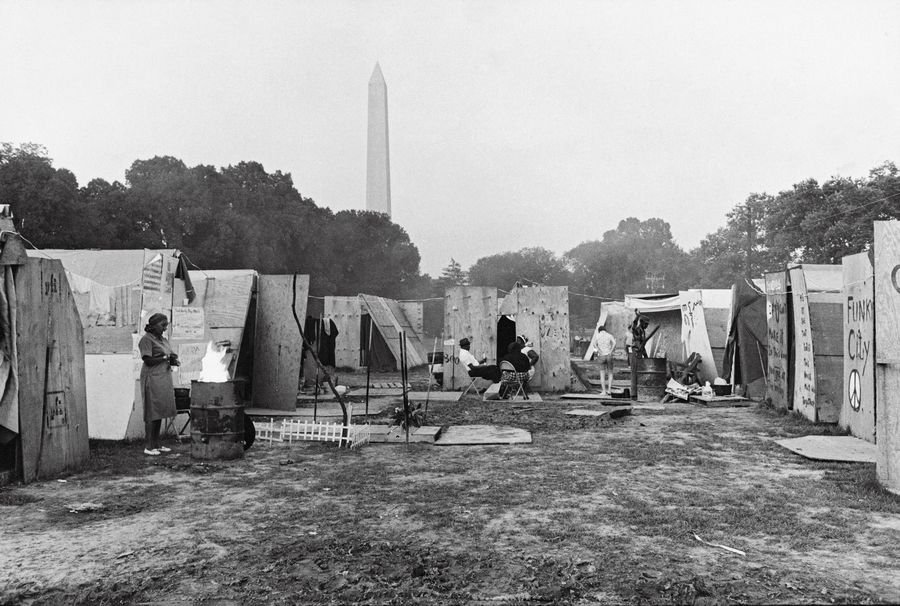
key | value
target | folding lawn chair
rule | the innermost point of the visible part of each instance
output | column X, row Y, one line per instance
column 471, row 387
column 512, row 383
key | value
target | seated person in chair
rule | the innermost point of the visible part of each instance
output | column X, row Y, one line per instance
column 475, row 367
column 520, row 364
column 528, row 350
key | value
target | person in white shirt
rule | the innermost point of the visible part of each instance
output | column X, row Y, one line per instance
column 474, row 366
column 604, row 344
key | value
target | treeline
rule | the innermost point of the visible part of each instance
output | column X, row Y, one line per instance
column 244, row 217
column 235, row 217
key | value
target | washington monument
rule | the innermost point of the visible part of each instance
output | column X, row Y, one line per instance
column 378, row 162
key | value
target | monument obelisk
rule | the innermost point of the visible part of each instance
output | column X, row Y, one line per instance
column 378, row 163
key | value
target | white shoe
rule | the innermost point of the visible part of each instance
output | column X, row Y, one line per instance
column 163, row 449
column 151, row 452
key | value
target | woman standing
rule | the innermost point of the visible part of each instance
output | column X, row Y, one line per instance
column 156, row 381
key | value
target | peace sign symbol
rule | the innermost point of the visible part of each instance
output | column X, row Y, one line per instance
column 853, row 389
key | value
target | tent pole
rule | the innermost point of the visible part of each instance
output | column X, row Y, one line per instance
column 430, row 377
column 369, row 366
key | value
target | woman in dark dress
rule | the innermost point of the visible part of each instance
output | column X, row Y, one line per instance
column 156, row 381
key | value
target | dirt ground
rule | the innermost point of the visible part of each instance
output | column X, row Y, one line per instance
column 591, row 512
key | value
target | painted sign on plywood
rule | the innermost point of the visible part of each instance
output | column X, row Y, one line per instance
column 777, row 325
column 858, row 407
column 804, row 360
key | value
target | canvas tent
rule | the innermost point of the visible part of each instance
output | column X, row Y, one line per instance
column 746, row 354
column 616, row 318
column 684, row 327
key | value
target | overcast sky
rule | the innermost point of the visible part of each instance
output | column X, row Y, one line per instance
column 512, row 124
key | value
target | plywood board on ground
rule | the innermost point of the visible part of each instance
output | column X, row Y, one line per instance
column 461, row 435
column 612, row 413
column 395, row 434
column 721, row 401
column 435, row 396
column 832, row 448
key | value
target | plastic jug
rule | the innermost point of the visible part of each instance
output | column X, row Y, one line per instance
column 706, row 391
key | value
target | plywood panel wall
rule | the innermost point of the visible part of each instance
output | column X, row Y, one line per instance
column 346, row 315
column 278, row 347
column 887, row 353
column 778, row 388
column 52, row 396
column 469, row 311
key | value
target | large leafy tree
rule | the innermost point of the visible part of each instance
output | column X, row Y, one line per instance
column 528, row 265
column 637, row 256
column 738, row 248
column 43, row 199
column 370, row 254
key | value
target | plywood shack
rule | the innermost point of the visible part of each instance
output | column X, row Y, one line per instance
column 780, row 346
column 47, row 385
column 115, row 291
column 278, row 347
column 887, row 353
column 542, row 315
column 818, row 335
column 389, row 319
column 469, row 311
column 858, row 409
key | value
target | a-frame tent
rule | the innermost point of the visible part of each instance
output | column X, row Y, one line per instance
column 746, row 352
column 389, row 319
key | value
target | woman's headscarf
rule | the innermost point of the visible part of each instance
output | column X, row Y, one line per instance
column 155, row 319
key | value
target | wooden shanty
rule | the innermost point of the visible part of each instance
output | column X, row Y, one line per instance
column 471, row 312
column 887, row 353
column 117, row 290
column 858, row 409
column 43, row 409
column 818, row 334
column 541, row 313
column 278, row 348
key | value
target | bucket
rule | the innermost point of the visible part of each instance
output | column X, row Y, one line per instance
column 217, row 420
column 651, row 376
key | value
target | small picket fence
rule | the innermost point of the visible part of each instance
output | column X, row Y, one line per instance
column 294, row 430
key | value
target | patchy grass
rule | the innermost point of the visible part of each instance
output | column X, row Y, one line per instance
column 590, row 512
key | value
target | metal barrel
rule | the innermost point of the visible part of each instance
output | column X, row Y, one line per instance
column 217, row 421
column 651, row 376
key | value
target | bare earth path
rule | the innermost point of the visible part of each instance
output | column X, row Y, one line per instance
column 591, row 512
